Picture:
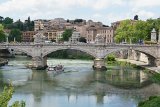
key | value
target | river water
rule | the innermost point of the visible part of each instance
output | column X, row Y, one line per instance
column 79, row 86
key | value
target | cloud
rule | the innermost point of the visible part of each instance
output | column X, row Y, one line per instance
column 99, row 10
column 144, row 3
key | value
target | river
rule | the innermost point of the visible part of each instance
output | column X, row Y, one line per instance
column 79, row 86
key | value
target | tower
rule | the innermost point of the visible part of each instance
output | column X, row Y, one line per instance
column 153, row 35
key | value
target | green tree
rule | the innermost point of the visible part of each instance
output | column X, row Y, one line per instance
column 140, row 31
column 15, row 33
column 67, row 34
column 18, row 25
column 153, row 23
column 2, row 35
column 132, row 31
column 6, row 95
column 8, row 20
column 1, row 19
column 124, row 31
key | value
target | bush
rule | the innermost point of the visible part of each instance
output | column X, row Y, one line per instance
column 111, row 58
column 154, row 101
column 6, row 95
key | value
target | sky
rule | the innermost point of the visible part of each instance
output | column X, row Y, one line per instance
column 105, row 11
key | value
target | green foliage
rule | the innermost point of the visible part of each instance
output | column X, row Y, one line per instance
column 18, row 104
column 8, row 23
column 1, row 27
column 155, row 78
column 154, row 101
column 2, row 35
column 6, row 95
column 18, row 25
column 15, row 33
column 67, row 34
column 154, row 23
column 133, row 31
column 69, row 54
column 7, row 20
column 78, row 20
column 1, row 19
column 111, row 58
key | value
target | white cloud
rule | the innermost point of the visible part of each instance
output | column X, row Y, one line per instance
column 97, row 9
column 144, row 3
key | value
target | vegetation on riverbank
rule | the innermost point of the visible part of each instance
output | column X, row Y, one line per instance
column 154, row 77
column 6, row 95
column 70, row 54
column 153, row 101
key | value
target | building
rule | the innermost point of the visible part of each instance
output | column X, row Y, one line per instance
column 81, row 29
column 95, row 24
column 106, row 32
column 75, row 37
column 59, row 35
column 50, row 35
column 27, row 36
column 91, row 34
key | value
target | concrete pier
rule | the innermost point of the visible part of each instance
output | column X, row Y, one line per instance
column 39, row 63
column 99, row 64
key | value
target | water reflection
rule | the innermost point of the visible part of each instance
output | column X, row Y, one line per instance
column 130, row 78
column 80, row 87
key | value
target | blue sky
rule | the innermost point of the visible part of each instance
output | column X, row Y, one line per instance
column 105, row 11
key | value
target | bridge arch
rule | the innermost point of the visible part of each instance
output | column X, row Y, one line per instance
column 149, row 54
column 65, row 48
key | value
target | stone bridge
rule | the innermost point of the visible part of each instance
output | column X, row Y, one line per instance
column 39, row 52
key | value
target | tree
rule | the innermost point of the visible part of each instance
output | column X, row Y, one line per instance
column 82, row 39
column 124, row 31
column 8, row 20
column 6, row 95
column 15, row 33
column 18, row 25
column 153, row 23
column 1, row 19
column 2, row 35
column 67, row 34
column 131, row 31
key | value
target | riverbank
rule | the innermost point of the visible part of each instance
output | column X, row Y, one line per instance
column 3, row 61
column 142, row 64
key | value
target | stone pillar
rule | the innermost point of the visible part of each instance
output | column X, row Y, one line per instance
column 99, row 64
column 159, row 37
column 151, row 61
column 39, row 63
column 157, row 61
